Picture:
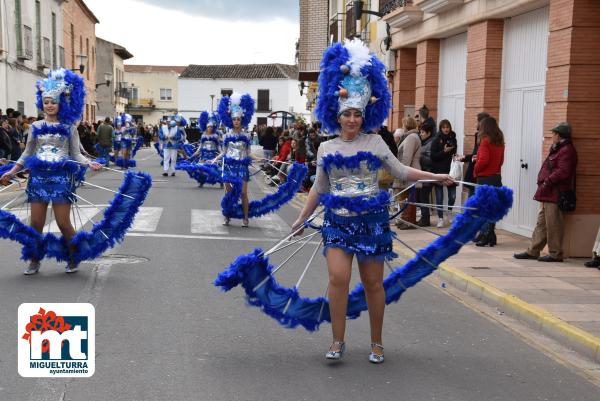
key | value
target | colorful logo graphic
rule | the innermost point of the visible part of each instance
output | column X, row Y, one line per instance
column 56, row 340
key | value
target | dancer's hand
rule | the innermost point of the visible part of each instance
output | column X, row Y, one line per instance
column 445, row 179
column 6, row 177
column 298, row 224
column 95, row 166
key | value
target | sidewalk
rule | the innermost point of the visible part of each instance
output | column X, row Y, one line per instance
column 560, row 299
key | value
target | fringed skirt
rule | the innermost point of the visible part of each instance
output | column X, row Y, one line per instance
column 235, row 170
column 367, row 235
column 53, row 182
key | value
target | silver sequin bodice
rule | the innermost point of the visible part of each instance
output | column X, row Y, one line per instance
column 52, row 147
column 237, row 150
column 350, row 183
column 209, row 145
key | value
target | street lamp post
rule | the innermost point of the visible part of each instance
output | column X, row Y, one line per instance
column 81, row 68
column 107, row 79
column 212, row 98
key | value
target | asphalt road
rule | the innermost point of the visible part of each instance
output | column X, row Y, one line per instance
column 164, row 332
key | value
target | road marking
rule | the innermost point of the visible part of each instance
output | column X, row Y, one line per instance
column 86, row 212
column 207, row 222
column 147, row 219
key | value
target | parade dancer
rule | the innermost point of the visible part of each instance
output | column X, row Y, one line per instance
column 56, row 165
column 208, row 149
column 236, row 113
column 172, row 139
column 128, row 137
column 117, row 136
column 354, row 99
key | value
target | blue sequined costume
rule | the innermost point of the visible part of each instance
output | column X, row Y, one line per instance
column 237, row 157
column 209, row 146
column 55, row 162
column 356, row 216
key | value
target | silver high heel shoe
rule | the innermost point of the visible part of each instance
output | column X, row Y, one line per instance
column 376, row 358
column 33, row 268
column 336, row 355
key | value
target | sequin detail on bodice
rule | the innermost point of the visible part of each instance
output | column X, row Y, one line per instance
column 52, row 147
column 237, row 147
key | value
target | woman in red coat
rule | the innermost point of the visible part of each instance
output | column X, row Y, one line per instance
column 487, row 171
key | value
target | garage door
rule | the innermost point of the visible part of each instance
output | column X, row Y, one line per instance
column 522, row 113
column 453, row 78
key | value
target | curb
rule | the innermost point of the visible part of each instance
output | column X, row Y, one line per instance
column 533, row 316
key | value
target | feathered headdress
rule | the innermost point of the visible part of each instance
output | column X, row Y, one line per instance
column 352, row 78
column 66, row 87
column 236, row 105
column 118, row 121
column 126, row 118
column 178, row 118
column 208, row 119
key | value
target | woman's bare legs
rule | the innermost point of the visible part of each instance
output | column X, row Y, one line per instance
column 62, row 213
column 38, row 219
column 339, row 266
column 371, row 275
column 245, row 203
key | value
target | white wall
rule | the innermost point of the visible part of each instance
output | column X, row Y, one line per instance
column 193, row 95
column 18, row 77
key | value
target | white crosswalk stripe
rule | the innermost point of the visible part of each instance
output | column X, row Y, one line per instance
column 210, row 222
column 146, row 220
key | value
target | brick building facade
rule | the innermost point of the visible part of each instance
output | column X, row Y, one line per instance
column 529, row 63
column 79, row 38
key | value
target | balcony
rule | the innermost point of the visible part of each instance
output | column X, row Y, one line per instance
column 437, row 6
column 402, row 14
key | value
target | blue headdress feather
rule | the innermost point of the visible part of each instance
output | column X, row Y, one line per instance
column 208, row 118
column 70, row 89
column 246, row 103
column 336, row 66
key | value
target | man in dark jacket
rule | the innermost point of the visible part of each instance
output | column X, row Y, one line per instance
column 556, row 175
column 105, row 139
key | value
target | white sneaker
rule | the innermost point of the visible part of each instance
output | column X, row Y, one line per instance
column 440, row 223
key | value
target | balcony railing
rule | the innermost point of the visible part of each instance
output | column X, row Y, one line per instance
column 387, row 6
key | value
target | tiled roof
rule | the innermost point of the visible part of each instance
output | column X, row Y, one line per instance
column 241, row 71
column 154, row 68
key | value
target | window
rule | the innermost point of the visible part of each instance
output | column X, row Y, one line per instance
column 87, row 60
column 134, row 95
column 54, row 60
column 262, row 103
column 21, row 107
column 47, row 55
column 38, row 33
column 61, row 56
column 165, row 94
column 261, row 121
column 28, row 42
column 226, row 92
column 72, row 46
column 19, row 32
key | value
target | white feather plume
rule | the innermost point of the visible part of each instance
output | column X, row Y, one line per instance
column 359, row 55
column 235, row 98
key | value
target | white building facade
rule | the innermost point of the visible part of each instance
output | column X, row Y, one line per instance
column 273, row 86
column 31, row 42
column 153, row 93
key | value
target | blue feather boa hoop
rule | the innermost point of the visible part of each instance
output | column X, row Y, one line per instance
column 254, row 272
column 70, row 105
column 231, row 204
column 330, row 79
column 117, row 219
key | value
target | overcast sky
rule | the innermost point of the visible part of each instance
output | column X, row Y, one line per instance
column 190, row 32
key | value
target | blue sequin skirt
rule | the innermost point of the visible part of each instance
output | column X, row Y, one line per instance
column 367, row 235
column 234, row 170
column 53, row 182
column 126, row 143
column 206, row 154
